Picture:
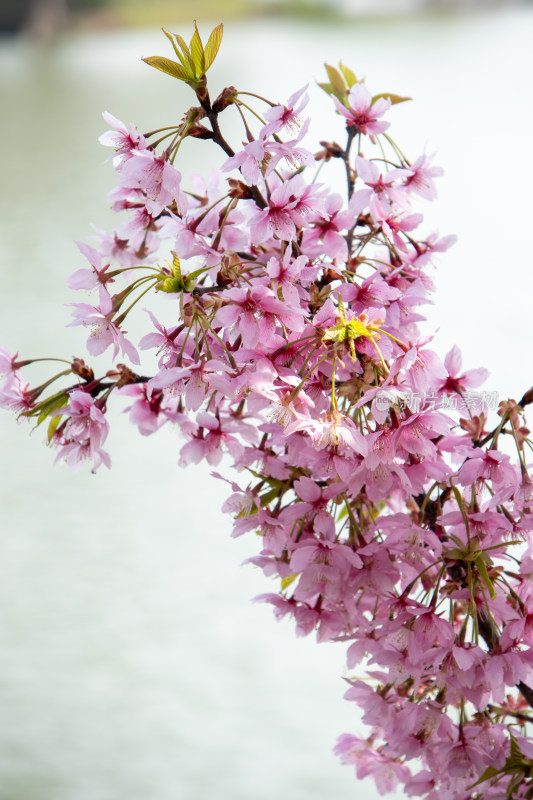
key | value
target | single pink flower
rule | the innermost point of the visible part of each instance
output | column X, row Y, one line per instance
column 384, row 186
column 293, row 154
column 92, row 278
column 275, row 218
column 289, row 206
column 157, row 177
column 324, row 233
column 420, row 179
column 104, row 331
column 255, row 313
column 362, row 113
column 288, row 117
column 286, row 273
column 82, row 435
column 490, row 465
column 147, row 412
column 457, row 382
column 121, row 138
column 249, row 160
column 7, row 361
column 165, row 340
column 15, row 394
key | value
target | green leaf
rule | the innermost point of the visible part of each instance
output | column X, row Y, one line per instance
column 337, row 333
column 348, row 75
column 212, row 46
column 185, row 59
column 490, row 772
column 173, row 43
column 327, row 87
column 394, row 98
column 288, row 580
column 267, row 497
column 484, row 575
column 516, row 757
column 196, row 272
column 337, row 82
column 512, row 787
column 170, row 285
column 356, row 329
column 454, row 553
column 460, row 502
column 197, row 53
column 53, row 425
column 169, row 67
column 176, row 266
column 189, row 283
column 185, row 49
column 51, row 404
column 275, row 482
column 246, row 513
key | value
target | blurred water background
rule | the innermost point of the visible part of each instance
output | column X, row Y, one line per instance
column 132, row 662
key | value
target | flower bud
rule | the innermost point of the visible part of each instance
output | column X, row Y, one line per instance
column 80, row 368
column 239, row 190
column 331, row 150
column 226, row 98
column 200, row 132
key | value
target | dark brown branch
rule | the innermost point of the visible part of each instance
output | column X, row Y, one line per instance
column 352, row 130
column 206, row 289
column 527, row 398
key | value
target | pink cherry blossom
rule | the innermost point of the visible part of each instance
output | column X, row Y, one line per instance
column 121, row 138
column 252, row 313
column 361, row 112
column 324, row 234
column 490, row 465
column 157, row 177
column 148, row 413
column 104, row 331
column 249, row 160
column 420, row 179
column 286, row 117
column 15, row 394
column 95, row 277
column 7, row 361
column 290, row 151
column 455, row 382
column 385, row 186
column 83, row 434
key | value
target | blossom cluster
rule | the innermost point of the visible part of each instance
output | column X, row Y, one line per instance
column 392, row 516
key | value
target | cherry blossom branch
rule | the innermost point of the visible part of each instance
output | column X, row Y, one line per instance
column 387, row 513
